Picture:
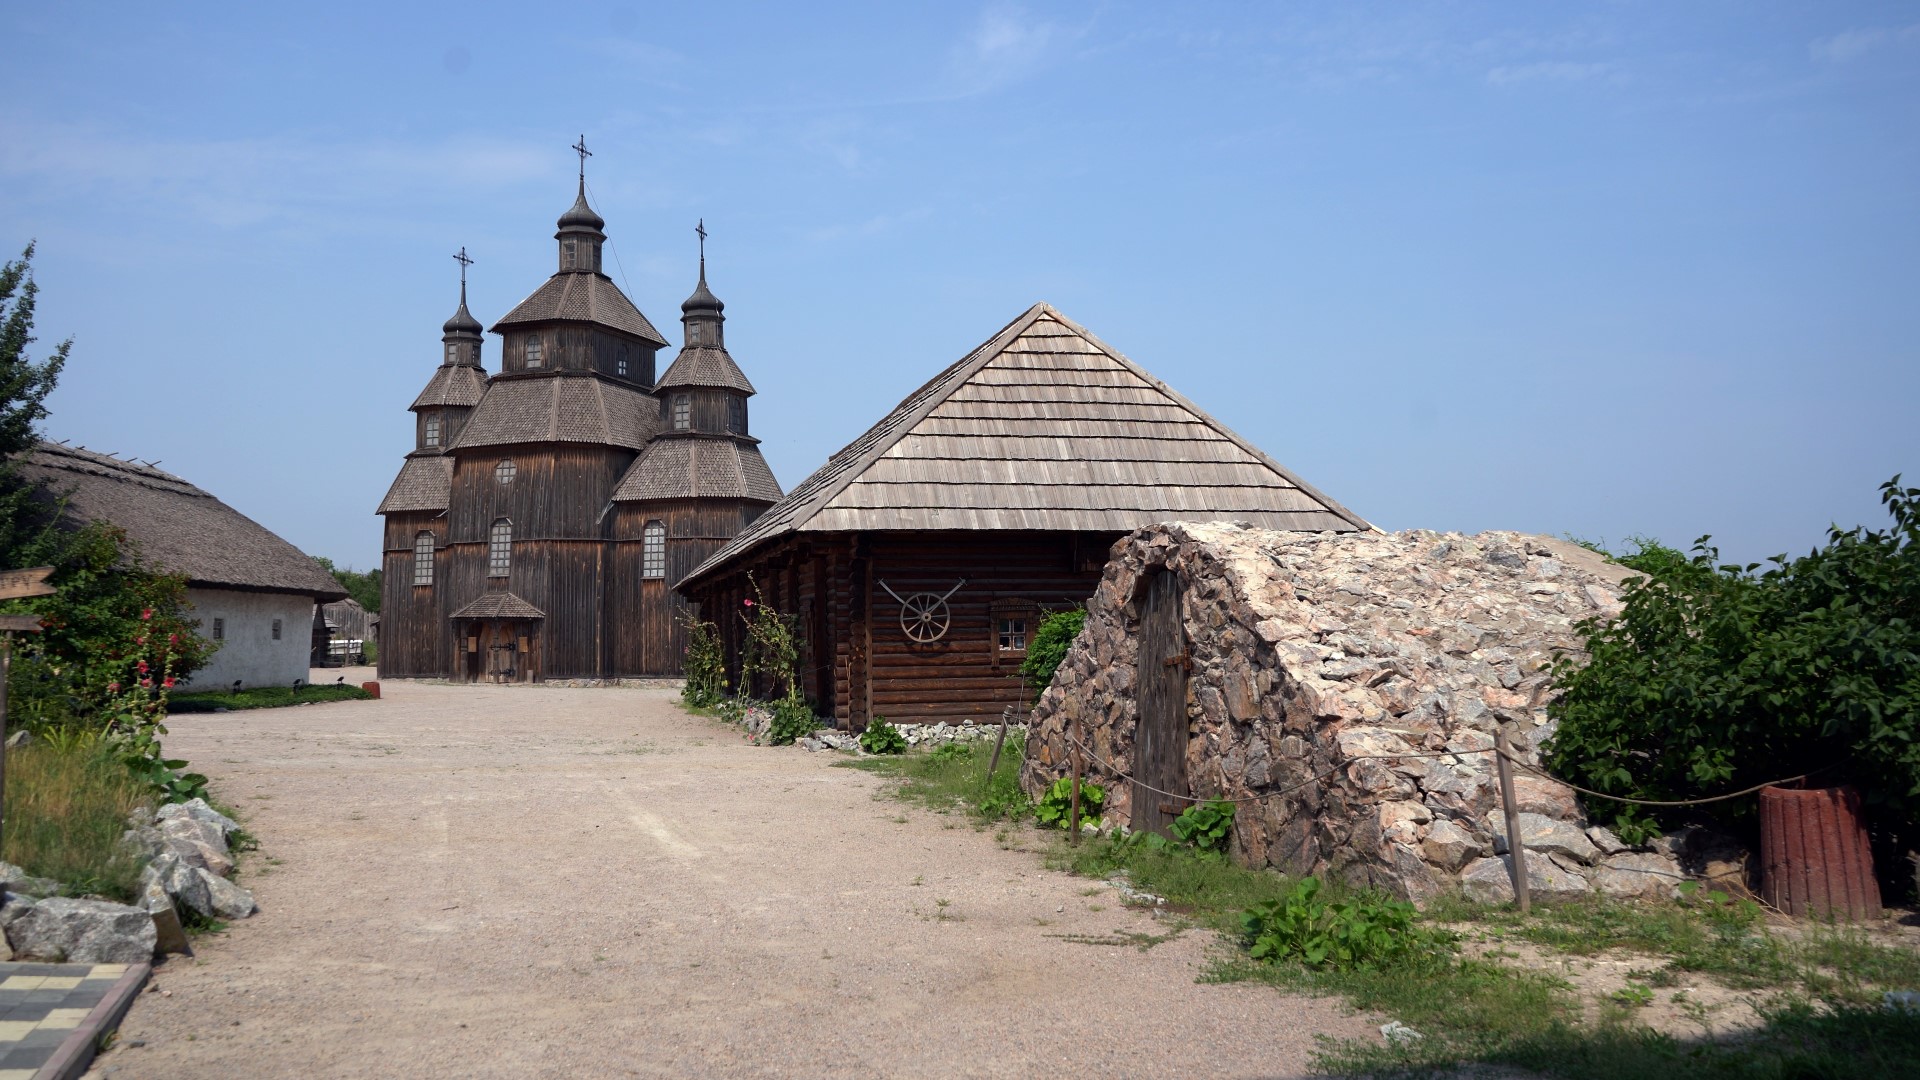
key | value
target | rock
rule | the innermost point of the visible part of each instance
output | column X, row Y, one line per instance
column 1490, row 881
column 198, row 810
column 199, row 853
column 1548, row 798
column 17, row 882
column 811, row 743
column 15, row 907
column 1400, row 821
column 1449, row 846
column 19, row 738
column 169, row 935
column 1638, row 875
column 1715, row 857
column 1541, row 833
column 144, row 841
column 1604, row 839
column 186, row 884
column 63, row 930
column 228, row 901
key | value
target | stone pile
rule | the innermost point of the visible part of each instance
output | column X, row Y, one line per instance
column 1359, row 679
column 188, row 862
column 936, row 734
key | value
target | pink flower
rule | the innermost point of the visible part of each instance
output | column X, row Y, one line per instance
column 173, row 639
column 113, row 688
column 168, row 683
column 147, row 614
column 147, row 683
column 141, row 640
column 143, row 667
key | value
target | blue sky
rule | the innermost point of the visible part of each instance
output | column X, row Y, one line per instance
column 1606, row 269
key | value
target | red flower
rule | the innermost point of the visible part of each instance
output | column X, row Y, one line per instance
column 173, row 639
column 143, row 667
column 749, row 603
column 141, row 640
column 113, row 688
column 168, row 683
column 147, row 683
column 147, row 614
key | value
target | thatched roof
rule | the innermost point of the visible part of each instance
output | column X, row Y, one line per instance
column 561, row 407
column 1043, row 427
column 452, row 384
column 499, row 605
column 424, row 483
column 178, row 527
column 698, row 467
column 573, row 296
column 704, row 366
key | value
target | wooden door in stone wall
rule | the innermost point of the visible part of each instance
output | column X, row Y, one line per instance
column 1160, row 733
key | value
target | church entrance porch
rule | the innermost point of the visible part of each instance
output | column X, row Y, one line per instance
column 497, row 639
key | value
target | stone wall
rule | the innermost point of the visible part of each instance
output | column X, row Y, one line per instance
column 1311, row 652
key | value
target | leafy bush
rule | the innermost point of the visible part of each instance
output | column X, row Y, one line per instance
column 1717, row 677
column 705, row 666
column 1366, row 931
column 793, row 720
column 883, row 738
column 1206, row 827
column 1055, row 807
column 1051, row 640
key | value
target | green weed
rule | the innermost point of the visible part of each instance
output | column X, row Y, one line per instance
column 65, row 810
column 262, row 697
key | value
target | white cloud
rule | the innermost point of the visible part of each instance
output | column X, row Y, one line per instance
column 1005, row 45
column 1851, row 45
column 1547, row 71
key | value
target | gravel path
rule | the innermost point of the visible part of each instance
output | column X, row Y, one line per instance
column 490, row 882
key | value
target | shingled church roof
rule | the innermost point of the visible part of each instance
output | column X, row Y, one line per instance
column 1043, row 427
column 698, row 468
column 178, row 527
column 581, row 297
column 561, row 407
column 424, row 483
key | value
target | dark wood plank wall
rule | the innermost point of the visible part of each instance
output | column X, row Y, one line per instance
column 877, row 670
column 580, row 348
column 415, row 636
column 646, row 617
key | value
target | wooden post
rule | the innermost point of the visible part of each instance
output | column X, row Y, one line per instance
column 1073, row 755
column 16, row 585
column 993, row 765
column 1515, row 846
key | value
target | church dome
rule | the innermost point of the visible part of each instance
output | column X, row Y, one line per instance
column 580, row 215
column 702, row 298
column 463, row 321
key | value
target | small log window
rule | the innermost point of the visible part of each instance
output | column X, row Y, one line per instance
column 1012, row 625
column 736, row 416
column 653, row 550
column 432, row 437
column 500, row 549
column 533, row 351
column 506, row 471
column 423, row 558
column 682, row 412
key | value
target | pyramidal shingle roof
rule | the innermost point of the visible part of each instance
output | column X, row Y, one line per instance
column 704, row 366
column 577, row 296
column 1044, row 427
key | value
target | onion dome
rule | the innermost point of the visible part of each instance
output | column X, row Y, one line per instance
column 702, row 298
column 463, row 321
column 580, row 215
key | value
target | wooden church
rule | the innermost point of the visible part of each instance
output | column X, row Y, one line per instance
column 919, row 558
column 537, row 527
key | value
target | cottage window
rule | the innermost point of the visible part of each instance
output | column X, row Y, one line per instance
column 533, row 350
column 1012, row 634
column 736, row 416
column 682, row 412
column 653, row 551
column 500, row 549
column 506, row 471
column 432, row 437
column 219, row 629
column 423, row 558
column 1012, row 623
column 276, row 629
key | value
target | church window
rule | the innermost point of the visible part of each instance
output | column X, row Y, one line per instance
column 596, row 258
column 566, row 254
column 693, row 333
column 432, row 437
column 453, row 354
column 276, row 629
column 653, row 551
column 423, row 558
column 682, row 412
column 533, row 350
column 500, row 549
column 736, row 416
column 506, row 471
column 620, row 365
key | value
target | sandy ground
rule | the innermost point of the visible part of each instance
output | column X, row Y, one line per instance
column 489, row 882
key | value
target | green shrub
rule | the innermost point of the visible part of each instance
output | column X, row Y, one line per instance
column 1366, row 931
column 67, row 801
column 883, row 738
column 793, row 720
column 1049, row 645
column 705, row 666
column 1205, row 827
column 1055, row 807
column 1715, row 678
column 263, row 697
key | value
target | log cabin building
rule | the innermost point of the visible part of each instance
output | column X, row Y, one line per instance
column 918, row 559
column 535, row 530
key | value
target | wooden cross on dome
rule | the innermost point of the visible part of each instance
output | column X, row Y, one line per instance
column 700, row 230
column 465, row 261
column 581, row 149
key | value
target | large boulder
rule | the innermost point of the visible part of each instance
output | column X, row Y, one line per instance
column 1490, row 881
column 197, row 843
column 198, row 810
column 1639, row 875
column 1541, row 833
column 64, row 930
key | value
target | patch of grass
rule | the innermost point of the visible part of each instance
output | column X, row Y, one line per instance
column 262, row 697
column 66, row 807
column 955, row 776
column 1212, row 891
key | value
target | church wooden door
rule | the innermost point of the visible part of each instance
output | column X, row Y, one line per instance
column 1160, row 733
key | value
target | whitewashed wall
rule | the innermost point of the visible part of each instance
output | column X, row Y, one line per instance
column 248, row 651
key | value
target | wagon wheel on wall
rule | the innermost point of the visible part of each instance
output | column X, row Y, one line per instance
column 924, row 617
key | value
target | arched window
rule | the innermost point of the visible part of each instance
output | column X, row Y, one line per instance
column 500, row 549
column 432, row 436
column 653, row 551
column 423, row 558
column 682, row 412
column 533, row 350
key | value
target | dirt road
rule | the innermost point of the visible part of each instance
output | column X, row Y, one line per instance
column 529, row 882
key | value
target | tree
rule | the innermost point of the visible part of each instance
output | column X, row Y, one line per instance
column 26, row 523
column 362, row 586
